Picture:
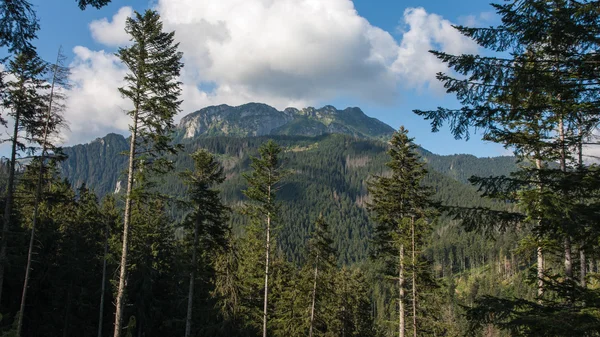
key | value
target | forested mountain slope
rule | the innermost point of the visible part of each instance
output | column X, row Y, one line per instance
column 328, row 175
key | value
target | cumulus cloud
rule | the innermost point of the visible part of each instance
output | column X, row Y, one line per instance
column 94, row 104
column 112, row 33
column 283, row 53
column 415, row 65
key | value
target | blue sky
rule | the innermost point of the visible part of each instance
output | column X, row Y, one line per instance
column 234, row 59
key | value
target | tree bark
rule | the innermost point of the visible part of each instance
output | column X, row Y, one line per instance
column 582, row 266
column 268, row 250
column 401, row 324
column 126, row 228
column 314, row 295
column 414, row 278
column 9, row 202
column 540, row 273
column 190, row 306
column 38, row 196
column 563, row 167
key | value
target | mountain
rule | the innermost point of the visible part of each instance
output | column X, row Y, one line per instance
column 330, row 170
column 256, row 119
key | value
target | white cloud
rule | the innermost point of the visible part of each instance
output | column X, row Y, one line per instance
column 112, row 33
column 283, row 53
column 94, row 104
column 478, row 20
column 415, row 65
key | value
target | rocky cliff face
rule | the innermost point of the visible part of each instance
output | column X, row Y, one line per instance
column 255, row 119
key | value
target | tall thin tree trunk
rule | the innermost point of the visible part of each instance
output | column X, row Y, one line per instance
column 540, row 273
column 190, row 306
column 563, row 167
column 126, row 228
column 103, row 287
column 582, row 266
column 268, row 250
column 38, row 196
column 401, row 323
column 414, row 278
column 314, row 296
column 9, row 202
column 540, row 253
column 582, row 262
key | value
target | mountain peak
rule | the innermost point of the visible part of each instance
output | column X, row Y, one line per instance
column 259, row 119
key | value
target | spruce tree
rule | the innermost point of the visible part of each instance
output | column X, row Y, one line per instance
column 18, row 25
column 322, row 258
column 153, row 89
column 399, row 200
column 206, row 224
column 263, row 183
column 45, row 125
column 25, row 101
column 537, row 96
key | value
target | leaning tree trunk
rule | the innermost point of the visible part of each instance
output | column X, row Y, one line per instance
column 9, row 201
column 36, row 203
column 401, row 323
column 190, row 305
column 126, row 228
column 414, row 278
column 314, row 295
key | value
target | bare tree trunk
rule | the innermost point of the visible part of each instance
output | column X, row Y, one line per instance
column 414, row 278
column 540, row 273
column 126, row 228
column 563, row 167
column 314, row 295
column 103, row 287
column 401, row 324
column 9, row 202
column 267, row 255
column 582, row 266
column 190, row 306
column 540, row 252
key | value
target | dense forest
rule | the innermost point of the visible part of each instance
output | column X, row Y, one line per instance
column 318, row 226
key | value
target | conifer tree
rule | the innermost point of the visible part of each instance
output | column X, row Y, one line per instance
column 207, row 221
column 18, row 25
column 25, row 102
column 322, row 257
column 263, row 183
column 151, row 84
column 45, row 125
column 398, row 201
column 531, row 98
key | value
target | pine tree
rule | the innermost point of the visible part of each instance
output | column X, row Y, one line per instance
column 263, row 183
column 151, row 84
column 25, row 101
column 110, row 217
column 398, row 201
column 207, row 221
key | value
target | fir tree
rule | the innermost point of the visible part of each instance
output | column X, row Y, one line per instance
column 263, row 183
column 323, row 258
column 399, row 201
column 206, row 224
column 25, row 101
column 541, row 101
column 151, row 84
